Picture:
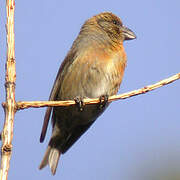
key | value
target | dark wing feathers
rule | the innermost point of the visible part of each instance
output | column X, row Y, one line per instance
column 57, row 84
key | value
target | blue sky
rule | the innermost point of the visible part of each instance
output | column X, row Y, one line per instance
column 137, row 138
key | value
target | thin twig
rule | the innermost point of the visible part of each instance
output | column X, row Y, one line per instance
column 37, row 104
column 10, row 106
column 7, row 133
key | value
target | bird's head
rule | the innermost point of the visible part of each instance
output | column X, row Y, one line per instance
column 111, row 25
column 114, row 27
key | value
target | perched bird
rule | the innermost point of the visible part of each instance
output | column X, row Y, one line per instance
column 93, row 68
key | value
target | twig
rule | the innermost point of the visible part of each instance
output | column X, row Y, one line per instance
column 9, row 108
column 37, row 104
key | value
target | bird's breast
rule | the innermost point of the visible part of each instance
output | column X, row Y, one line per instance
column 94, row 73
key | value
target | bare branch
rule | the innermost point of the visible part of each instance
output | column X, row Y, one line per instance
column 7, row 133
column 37, row 104
column 10, row 106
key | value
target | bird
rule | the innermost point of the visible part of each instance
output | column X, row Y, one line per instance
column 93, row 68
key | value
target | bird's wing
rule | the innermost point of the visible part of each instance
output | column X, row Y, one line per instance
column 49, row 109
column 57, row 84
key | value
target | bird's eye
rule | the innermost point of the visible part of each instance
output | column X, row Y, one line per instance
column 115, row 22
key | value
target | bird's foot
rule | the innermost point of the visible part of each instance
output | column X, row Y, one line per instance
column 103, row 100
column 79, row 102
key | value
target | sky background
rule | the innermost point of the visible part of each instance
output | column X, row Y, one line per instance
column 135, row 139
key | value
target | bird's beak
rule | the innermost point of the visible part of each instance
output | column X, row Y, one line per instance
column 128, row 34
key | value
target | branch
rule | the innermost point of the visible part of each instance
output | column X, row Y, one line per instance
column 37, row 104
column 10, row 106
column 7, row 133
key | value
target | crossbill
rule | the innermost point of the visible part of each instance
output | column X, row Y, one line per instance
column 93, row 68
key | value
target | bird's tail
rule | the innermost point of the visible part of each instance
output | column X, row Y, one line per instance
column 51, row 158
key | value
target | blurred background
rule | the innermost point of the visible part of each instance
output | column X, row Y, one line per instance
column 135, row 139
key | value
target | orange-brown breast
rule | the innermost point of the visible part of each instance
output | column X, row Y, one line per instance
column 93, row 73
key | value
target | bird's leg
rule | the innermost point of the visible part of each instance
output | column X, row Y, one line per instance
column 79, row 102
column 103, row 100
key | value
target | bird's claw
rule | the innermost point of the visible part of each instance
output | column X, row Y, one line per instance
column 79, row 102
column 103, row 100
